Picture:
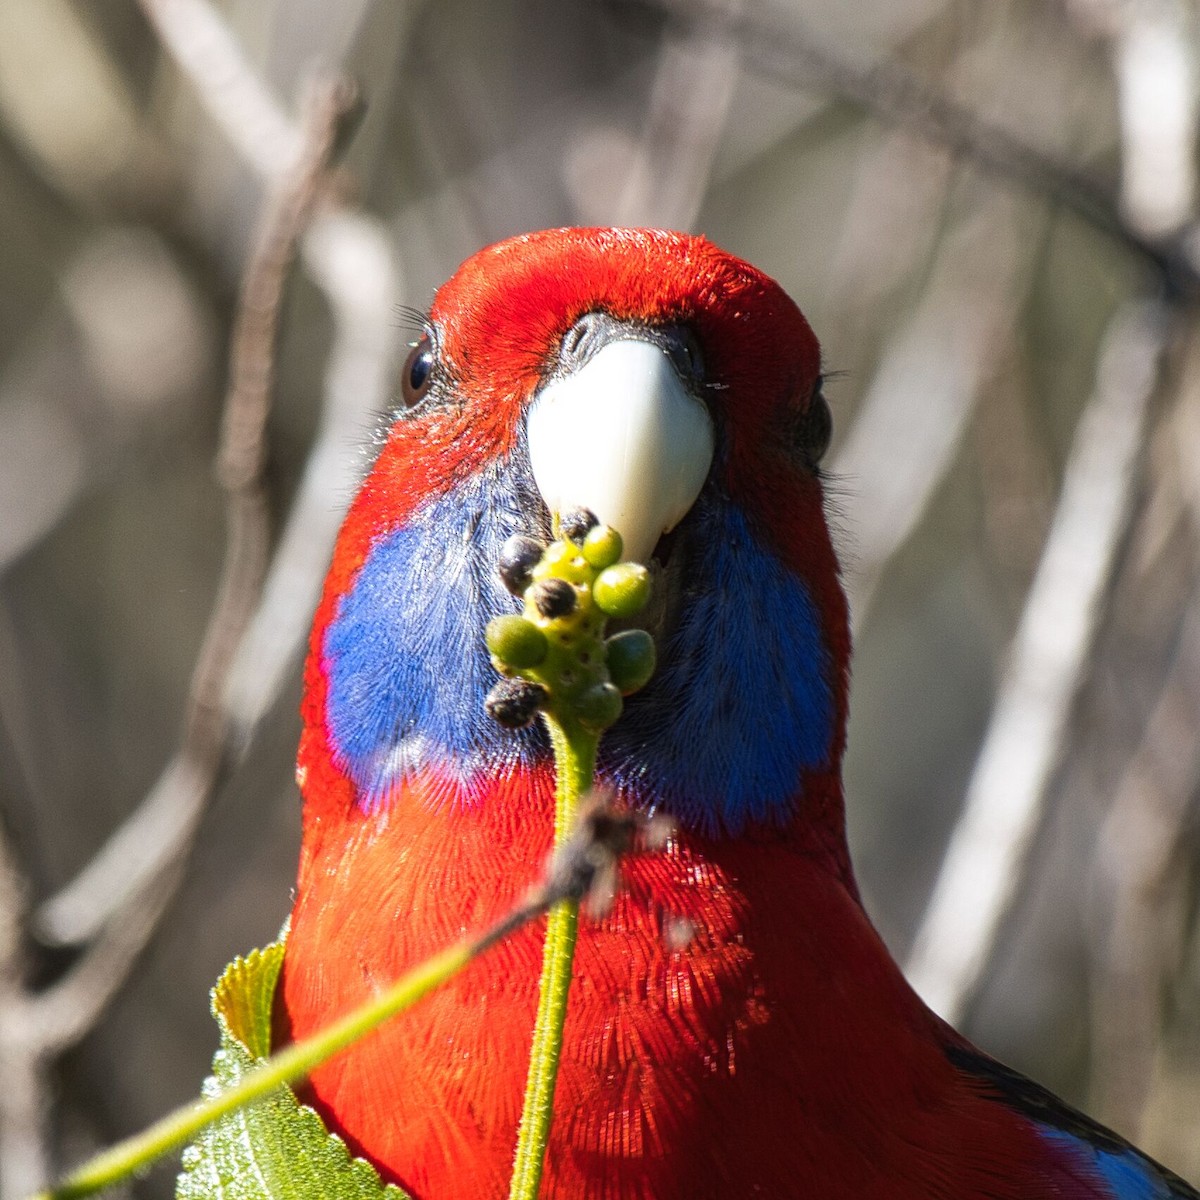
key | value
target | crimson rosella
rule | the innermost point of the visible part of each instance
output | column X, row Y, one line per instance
column 675, row 391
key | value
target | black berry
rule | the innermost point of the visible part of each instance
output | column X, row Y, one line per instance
column 515, row 702
column 518, row 556
column 554, row 598
column 576, row 523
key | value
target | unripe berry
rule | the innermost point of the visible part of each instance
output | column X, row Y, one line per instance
column 622, row 590
column 598, row 707
column 602, row 547
column 630, row 659
column 516, row 642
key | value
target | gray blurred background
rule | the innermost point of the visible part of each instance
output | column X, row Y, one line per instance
column 988, row 212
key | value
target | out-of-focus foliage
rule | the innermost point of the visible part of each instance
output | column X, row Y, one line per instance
column 966, row 300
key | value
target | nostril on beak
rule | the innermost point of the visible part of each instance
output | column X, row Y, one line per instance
column 581, row 339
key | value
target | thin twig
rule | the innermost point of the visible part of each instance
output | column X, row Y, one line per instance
column 161, row 829
column 1006, row 794
column 1137, row 846
column 348, row 255
column 790, row 54
column 197, row 765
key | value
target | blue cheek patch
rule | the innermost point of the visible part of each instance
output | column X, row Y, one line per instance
column 408, row 668
column 741, row 704
column 1128, row 1174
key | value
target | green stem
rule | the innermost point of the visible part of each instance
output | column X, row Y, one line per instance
column 132, row 1155
column 575, row 763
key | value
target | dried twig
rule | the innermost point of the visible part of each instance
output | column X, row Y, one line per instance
column 1005, row 798
column 790, row 54
column 689, row 102
column 137, row 881
column 907, row 431
column 161, row 829
column 1137, row 847
column 349, row 257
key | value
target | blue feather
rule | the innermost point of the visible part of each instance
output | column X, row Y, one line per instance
column 408, row 668
column 702, row 738
column 1122, row 1168
column 1129, row 1174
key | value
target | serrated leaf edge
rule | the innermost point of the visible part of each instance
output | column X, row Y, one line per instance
column 245, row 968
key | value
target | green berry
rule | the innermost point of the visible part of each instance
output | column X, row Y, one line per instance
column 622, row 590
column 556, row 559
column 598, row 706
column 630, row 659
column 516, row 642
column 602, row 547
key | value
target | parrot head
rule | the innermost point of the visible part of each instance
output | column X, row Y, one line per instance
column 675, row 391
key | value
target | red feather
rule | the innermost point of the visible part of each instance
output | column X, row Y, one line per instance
column 780, row 1053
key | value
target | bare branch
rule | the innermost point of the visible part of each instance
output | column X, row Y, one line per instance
column 908, row 429
column 349, row 256
column 790, row 54
column 1005, row 798
column 1137, row 846
column 693, row 89
column 119, row 873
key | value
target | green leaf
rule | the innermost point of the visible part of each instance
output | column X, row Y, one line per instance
column 276, row 1148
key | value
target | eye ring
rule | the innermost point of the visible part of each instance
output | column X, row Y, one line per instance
column 416, row 377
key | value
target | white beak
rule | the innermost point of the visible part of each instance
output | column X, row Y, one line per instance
column 623, row 437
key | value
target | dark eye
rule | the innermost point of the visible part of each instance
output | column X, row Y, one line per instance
column 417, row 376
column 816, row 426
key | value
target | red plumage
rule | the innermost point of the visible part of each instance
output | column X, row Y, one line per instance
column 780, row 1053
column 756, row 1061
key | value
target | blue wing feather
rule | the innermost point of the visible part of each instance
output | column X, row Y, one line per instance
column 1129, row 1174
column 1125, row 1170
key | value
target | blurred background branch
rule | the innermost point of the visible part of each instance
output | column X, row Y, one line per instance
column 989, row 215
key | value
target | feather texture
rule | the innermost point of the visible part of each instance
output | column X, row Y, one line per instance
column 779, row 1053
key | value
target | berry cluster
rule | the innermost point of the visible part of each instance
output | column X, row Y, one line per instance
column 554, row 656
